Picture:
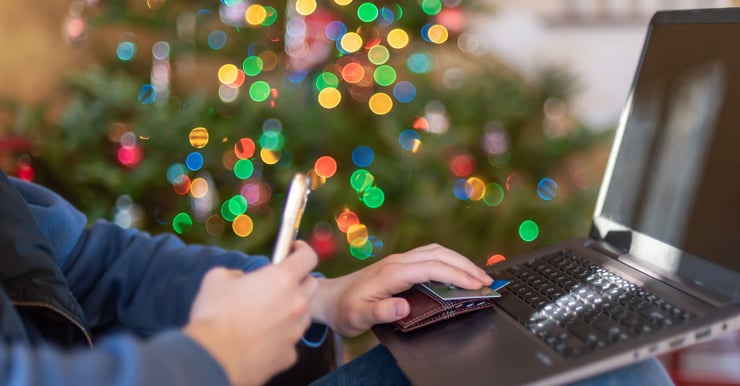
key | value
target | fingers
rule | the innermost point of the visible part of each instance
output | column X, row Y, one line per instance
column 436, row 252
column 423, row 271
column 389, row 310
column 301, row 260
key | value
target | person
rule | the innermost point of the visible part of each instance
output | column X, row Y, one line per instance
column 102, row 305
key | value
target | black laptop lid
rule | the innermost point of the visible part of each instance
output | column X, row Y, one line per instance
column 671, row 193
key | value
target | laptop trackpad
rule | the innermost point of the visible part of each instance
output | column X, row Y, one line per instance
column 450, row 352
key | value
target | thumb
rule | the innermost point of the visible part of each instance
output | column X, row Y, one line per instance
column 391, row 309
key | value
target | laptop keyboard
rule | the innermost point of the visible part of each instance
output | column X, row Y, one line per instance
column 576, row 306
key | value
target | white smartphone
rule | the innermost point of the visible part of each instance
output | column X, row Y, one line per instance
column 295, row 203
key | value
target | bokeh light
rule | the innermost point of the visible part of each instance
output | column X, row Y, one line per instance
column 126, row 51
column 259, row 91
column 147, row 94
column 351, row 42
column 346, row 219
column 252, row 65
column 325, row 166
column 217, row 39
column 255, row 14
column 547, row 189
column 493, row 259
column 363, row 156
column 529, row 230
column 357, row 234
column 199, row 188
column 397, row 38
column 494, row 194
column 243, row 169
column 198, row 137
column 242, row 225
column 182, row 222
column 329, row 98
column 378, row 54
column 404, row 91
column 361, row 179
column 380, row 103
column 244, row 148
column 228, row 73
column 194, row 161
column 373, row 197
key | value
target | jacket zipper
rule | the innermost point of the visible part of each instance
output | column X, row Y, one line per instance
column 60, row 312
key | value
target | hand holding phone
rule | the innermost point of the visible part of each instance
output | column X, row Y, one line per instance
column 295, row 203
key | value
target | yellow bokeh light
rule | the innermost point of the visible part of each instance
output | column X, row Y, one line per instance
column 255, row 14
column 476, row 188
column 305, row 7
column 242, row 225
column 357, row 235
column 269, row 157
column 343, row 2
column 351, row 42
column 398, row 38
column 329, row 98
column 198, row 137
column 378, row 54
column 438, row 34
column 380, row 103
column 199, row 188
column 228, row 73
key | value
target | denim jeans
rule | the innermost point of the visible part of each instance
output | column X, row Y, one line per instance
column 377, row 367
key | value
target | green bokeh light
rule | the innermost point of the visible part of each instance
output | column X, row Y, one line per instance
column 367, row 12
column 182, row 222
column 272, row 140
column 362, row 252
column 271, row 17
column 237, row 205
column 259, row 91
column 529, row 230
column 361, row 179
column 385, row 75
column 494, row 194
column 252, row 65
column 373, row 197
column 243, row 169
column 226, row 212
column 327, row 79
column 431, row 7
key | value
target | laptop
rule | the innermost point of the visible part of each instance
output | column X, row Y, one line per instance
column 660, row 267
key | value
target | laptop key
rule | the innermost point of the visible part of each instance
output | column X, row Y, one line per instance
column 516, row 307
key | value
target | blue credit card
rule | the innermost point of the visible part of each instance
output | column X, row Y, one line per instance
column 498, row 284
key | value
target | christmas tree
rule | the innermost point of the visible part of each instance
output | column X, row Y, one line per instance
column 191, row 117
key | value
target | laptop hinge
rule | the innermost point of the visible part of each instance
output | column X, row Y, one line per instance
column 663, row 276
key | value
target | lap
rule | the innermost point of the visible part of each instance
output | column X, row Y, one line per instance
column 378, row 367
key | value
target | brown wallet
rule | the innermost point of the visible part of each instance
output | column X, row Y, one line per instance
column 428, row 309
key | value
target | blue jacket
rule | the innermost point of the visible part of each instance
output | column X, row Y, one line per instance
column 134, row 291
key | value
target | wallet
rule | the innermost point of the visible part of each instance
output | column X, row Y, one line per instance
column 428, row 309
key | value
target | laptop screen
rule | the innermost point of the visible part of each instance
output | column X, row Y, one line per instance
column 676, row 174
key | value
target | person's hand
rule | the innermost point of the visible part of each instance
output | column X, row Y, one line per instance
column 250, row 322
column 354, row 303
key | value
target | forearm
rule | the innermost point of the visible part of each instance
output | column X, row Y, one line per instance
column 144, row 283
column 170, row 359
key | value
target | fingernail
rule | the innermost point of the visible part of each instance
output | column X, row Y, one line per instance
column 400, row 308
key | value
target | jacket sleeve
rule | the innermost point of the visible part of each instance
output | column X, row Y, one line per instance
column 169, row 358
column 125, row 278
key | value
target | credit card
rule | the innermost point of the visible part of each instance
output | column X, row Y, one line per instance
column 446, row 291
column 499, row 283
